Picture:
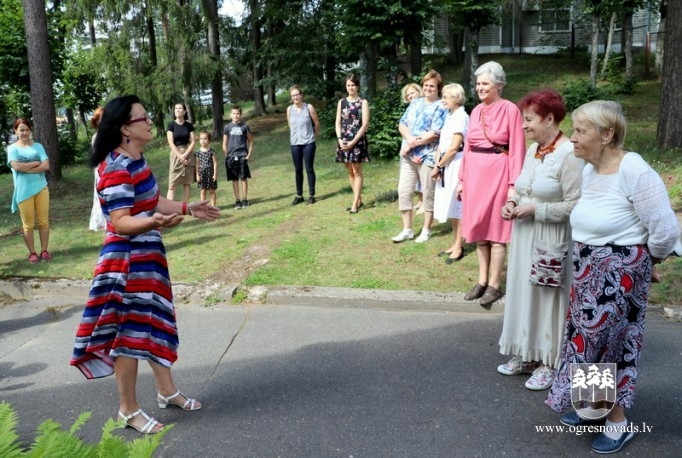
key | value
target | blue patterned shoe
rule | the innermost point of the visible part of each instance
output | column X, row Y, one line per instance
column 604, row 445
column 573, row 419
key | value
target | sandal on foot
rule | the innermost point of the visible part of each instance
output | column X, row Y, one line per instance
column 189, row 404
column 148, row 427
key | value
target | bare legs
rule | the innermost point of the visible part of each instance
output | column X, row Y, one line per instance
column 125, row 370
column 170, row 195
column 456, row 248
column 202, row 195
column 491, row 258
column 355, row 179
column 29, row 239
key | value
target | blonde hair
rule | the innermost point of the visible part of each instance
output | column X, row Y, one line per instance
column 456, row 91
column 604, row 115
column 407, row 89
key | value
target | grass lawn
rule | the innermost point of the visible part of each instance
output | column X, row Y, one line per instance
column 274, row 243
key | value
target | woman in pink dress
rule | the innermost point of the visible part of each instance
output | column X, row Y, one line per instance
column 493, row 156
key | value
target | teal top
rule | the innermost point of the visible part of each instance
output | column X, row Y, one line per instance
column 26, row 184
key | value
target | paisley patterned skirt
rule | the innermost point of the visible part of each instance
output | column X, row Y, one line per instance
column 605, row 322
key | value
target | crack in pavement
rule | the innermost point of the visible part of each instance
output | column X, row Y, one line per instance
column 229, row 345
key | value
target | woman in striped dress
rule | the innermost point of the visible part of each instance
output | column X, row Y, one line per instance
column 130, row 315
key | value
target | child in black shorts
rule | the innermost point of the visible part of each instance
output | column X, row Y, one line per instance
column 237, row 147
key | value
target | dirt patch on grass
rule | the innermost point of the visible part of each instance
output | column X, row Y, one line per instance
column 268, row 123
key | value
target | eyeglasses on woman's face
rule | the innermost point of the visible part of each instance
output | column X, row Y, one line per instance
column 144, row 118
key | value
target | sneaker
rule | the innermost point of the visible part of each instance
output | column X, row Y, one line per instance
column 311, row 200
column 405, row 234
column 46, row 255
column 238, row 205
column 516, row 366
column 606, row 445
column 541, row 379
column 298, row 200
column 423, row 237
column 33, row 258
column 245, row 203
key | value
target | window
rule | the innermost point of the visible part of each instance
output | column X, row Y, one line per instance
column 555, row 20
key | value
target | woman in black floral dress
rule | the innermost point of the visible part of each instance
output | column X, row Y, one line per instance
column 352, row 121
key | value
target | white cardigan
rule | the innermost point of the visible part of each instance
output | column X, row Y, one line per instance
column 630, row 207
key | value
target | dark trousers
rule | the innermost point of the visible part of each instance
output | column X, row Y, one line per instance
column 304, row 154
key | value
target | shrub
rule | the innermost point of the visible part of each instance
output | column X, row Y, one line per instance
column 383, row 135
column 51, row 440
column 580, row 92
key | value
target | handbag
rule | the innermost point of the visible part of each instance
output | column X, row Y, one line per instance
column 547, row 263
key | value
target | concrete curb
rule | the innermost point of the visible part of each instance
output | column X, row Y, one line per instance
column 55, row 292
column 59, row 290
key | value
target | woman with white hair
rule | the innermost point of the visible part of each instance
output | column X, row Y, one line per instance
column 493, row 156
column 622, row 225
column 445, row 173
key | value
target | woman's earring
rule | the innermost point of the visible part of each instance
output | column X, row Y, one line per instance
column 127, row 139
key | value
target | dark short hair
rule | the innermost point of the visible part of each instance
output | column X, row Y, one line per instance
column 203, row 132
column 236, row 107
column 109, row 136
column 543, row 102
column 20, row 121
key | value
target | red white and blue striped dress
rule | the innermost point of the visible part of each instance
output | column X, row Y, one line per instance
column 130, row 307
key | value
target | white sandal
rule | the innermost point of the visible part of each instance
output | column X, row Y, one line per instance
column 147, row 428
column 190, row 404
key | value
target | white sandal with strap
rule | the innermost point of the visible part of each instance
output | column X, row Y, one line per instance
column 147, row 428
column 190, row 404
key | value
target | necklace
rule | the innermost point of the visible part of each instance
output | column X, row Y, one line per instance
column 131, row 155
column 542, row 152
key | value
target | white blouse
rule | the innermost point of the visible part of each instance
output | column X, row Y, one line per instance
column 630, row 207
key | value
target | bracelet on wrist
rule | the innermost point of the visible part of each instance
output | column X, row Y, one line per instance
column 512, row 202
column 184, row 208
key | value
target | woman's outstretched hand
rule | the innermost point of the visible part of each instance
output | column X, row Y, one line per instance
column 203, row 210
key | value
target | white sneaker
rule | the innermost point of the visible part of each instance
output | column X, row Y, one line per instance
column 405, row 234
column 541, row 379
column 424, row 236
column 517, row 366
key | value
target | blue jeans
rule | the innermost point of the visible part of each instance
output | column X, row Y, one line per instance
column 301, row 154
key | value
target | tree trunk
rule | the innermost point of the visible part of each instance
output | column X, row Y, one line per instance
column 627, row 49
column 471, row 40
column 40, row 76
column 217, row 96
column 660, row 38
column 670, row 110
column 330, row 49
column 258, row 99
column 594, row 60
column 609, row 43
column 372, row 55
column 415, row 43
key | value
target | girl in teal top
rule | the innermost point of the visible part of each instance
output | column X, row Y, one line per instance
column 31, row 197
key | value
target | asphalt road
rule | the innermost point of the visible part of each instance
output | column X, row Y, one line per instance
column 328, row 381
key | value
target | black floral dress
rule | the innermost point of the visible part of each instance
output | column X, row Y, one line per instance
column 351, row 122
column 205, row 164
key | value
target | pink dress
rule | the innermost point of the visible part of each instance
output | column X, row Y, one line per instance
column 486, row 178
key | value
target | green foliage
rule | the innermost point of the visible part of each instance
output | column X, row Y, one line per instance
column 579, row 92
column 54, row 442
column 71, row 150
column 386, row 110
